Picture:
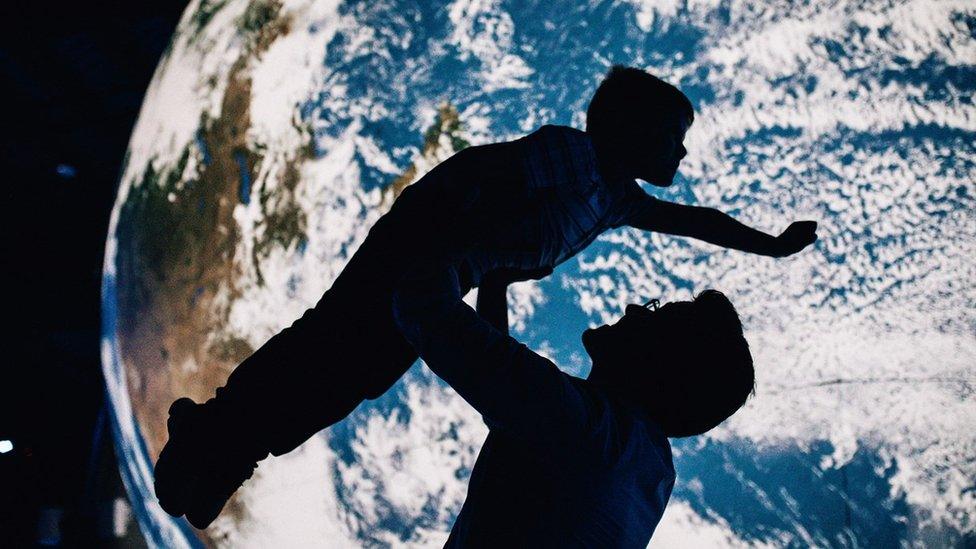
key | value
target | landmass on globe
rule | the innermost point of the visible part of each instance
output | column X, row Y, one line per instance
column 177, row 272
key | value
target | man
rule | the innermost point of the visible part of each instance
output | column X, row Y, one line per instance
column 573, row 462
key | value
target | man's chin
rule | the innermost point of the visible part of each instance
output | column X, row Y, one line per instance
column 661, row 180
column 593, row 339
column 588, row 338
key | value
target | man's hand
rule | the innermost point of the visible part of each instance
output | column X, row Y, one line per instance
column 423, row 298
column 492, row 293
column 797, row 236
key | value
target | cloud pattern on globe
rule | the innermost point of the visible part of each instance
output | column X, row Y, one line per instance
column 275, row 133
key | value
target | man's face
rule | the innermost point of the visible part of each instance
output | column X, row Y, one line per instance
column 666, row 149
column 638, row 334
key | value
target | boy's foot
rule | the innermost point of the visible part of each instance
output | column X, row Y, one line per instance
column 202, row 464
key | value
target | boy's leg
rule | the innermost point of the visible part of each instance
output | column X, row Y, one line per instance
column 315, row 372
column 348, row 348
column 305, row 378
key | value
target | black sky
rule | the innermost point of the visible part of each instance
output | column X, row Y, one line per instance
column 73, row 77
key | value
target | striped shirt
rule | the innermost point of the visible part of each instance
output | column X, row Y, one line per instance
column 562, row 207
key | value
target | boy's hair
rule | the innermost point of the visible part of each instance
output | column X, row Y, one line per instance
column 629, row 101
column 708, row 371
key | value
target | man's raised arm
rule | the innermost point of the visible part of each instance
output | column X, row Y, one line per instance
column 516, row 390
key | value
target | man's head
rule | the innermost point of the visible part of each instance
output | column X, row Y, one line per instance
column 686, row 363
column 638, row 122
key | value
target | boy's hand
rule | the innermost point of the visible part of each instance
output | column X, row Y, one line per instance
column 797, row 236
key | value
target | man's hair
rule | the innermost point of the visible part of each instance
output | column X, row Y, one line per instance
column 629, row 101
column 708, row 371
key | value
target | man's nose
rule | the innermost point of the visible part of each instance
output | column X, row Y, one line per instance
column 636, row 311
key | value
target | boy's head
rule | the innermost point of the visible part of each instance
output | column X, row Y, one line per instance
column 686, row 363
column 637, row 122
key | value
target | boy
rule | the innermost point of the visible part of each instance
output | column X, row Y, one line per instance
column 525, row 205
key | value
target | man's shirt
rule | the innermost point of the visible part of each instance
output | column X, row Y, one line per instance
column 558, row 206
column 565, row 464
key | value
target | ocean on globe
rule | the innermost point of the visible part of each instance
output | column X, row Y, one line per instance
column 275, row 133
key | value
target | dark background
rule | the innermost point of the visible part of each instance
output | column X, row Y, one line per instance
column 73, row 77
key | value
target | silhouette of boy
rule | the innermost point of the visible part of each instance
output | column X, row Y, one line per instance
column 525, row 205
column 573, row 462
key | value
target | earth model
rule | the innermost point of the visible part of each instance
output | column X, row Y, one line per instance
column 275, row 133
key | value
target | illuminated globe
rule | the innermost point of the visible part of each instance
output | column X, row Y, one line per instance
column 274, row 134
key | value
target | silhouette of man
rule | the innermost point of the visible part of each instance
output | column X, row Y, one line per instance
column 528, row 204
column 573, row 462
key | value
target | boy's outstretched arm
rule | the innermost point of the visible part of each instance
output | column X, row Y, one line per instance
column 713, row 226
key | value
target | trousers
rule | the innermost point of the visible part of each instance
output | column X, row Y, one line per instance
column 347, row 348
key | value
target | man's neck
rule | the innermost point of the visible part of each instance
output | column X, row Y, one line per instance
column 622, row 396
